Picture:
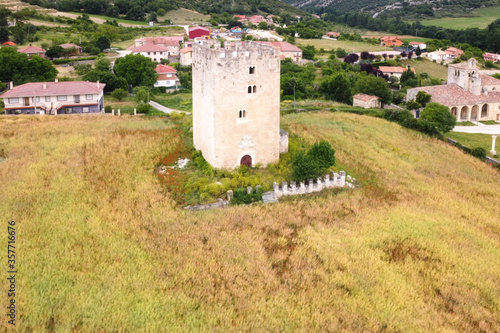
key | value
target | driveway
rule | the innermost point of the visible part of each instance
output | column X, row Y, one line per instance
column 164, row 109
column 489, row 129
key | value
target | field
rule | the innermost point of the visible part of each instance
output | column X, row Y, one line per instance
column 101, row 248
column 434, row 69
column 349, row 46
column 184, row 16
column 485, row 16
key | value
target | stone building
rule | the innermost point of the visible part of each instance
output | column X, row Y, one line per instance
column 236, row 103
column 471, row 96
column 365, row 101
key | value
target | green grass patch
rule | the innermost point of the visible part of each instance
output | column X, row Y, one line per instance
column 489, row 122
column 184, row 16
column 349, row 46
column 473, row 140
column 484, row 16
column 466, row 123
column 435, row 70
column 181, row 101
column 119, row 20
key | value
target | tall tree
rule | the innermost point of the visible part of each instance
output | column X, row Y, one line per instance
column 137, row 69
column 371, row 85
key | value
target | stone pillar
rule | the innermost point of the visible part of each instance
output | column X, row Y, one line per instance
column 119, row 112
column 276, row 189
column 493, row 141
column 469, row 112
column 284, row 188
column 293, row 187
column 135, row 112
column 310, row 187
column 249, row 189
column 327, row 181
column 302, row 188
column 55, row 112
column 229, row 195
column 320, row 184
column 342, row 179
column 113, row 112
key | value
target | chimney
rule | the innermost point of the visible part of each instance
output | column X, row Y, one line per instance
column 56, row 80
column 98, row 84
column 45, row 86
column 10, row 85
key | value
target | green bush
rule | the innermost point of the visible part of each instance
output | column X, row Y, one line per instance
column 323, row 154
column 241, row 197
column 479, row 152
column 304, row 168
column 119, row 94
column 107, row 109
column 143, row 108
column 67, row 61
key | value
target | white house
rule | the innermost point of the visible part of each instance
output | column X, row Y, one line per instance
column 167, row 76
column 54, row 97
column 152, row 51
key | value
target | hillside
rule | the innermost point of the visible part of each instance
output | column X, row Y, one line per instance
column 417, row 9
column 100, row 248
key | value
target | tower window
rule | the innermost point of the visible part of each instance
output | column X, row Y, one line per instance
column 254, row 89
column 249, row 89
column 251, row 70
column 242, row 114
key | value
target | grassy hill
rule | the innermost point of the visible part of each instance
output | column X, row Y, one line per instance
column 481, row 18
column 100, row 248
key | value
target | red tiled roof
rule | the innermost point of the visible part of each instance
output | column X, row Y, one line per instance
column 364, row 97
column 160, row 40
column 162, row 69
column 487, row 80
column 9, row 43
column 453, row 95
column 149, row 47
column 394, row 69
column 454, row 50
column 416, row 43
column 187, row 49
column 54, row 88
column 69, row 45
column 332, row 33
column 31, row 49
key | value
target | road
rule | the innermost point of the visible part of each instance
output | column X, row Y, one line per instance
column 164, row 109
column 489, row 129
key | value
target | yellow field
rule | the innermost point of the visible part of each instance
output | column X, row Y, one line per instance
column 101, row 248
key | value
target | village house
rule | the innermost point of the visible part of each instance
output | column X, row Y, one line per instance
column 469, row 95
column 396, row 71
column 491, row 57
column 390, row 41
column 162, row 40
column 454, row 52
column 287, row 50
column 365, row 101
column 32, row 50
column 198, row 32
column 332, row 34
column 417, row 45
column 54, row 98
column 68, row 46
column 438, row 55
column 256, row 19
column 152, row 51
column 167, row 76
column 186, row 56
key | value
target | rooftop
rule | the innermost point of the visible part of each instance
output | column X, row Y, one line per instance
column 364, row 97
column 31, row 49
column 149, row 47
column 55, row 88
column 453, row 95
column 162, row 69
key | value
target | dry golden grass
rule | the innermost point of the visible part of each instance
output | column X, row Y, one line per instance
column 416, row 249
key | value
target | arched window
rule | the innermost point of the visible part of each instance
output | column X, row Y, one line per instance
column 251, row 70
column 241, row 113
column 249, row 89
column 254, row 89
column 244, row 113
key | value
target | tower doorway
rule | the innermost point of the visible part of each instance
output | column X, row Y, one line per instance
column 246, row 160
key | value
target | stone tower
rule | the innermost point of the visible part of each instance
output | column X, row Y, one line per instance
column 465, row 75
column 236, row 103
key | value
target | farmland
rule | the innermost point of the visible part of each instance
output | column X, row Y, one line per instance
column 484, row 16
column 102, row 248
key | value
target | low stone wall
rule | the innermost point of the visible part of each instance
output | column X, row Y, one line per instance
column 219, row 204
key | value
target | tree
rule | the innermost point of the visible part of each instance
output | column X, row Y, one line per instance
column 54, row 51
column 341, row 53
column 412, row 105
column 17, row 67
column 308, row 52
column 160, row 12
column 263, row 25
column 423, row 98
column 337, row 88
column 119, row 94
column 323, row 154
column 304, row 168
column 102, row 42
column 371, row 85
column 112, row 82
column 408, row 78
column 95, row 6
column 40, row 69
column 102, row 64
column 137, row 69
column 4, row 34
column 136, row 13
column 418, row 52
column 438, row 116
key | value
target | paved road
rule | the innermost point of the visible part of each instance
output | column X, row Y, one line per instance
column 162, row 108
column 490, row 129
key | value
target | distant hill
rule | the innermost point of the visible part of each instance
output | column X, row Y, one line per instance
column 140, row 10
column 418, row 9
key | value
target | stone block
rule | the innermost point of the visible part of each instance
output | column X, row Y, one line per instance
column 284, row 188
column 269, row 197
column 249, row 189
column 302, row 188
column 230, row 195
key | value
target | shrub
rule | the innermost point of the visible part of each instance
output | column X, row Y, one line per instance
column 478, row 152
column 304, row 168
column 119, row 94
column 107, row 109
column 439, row 116
column 143, row 108
column 323, row 154
column 240, row 196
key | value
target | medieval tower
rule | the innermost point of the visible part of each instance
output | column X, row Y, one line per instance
column 236, row 103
